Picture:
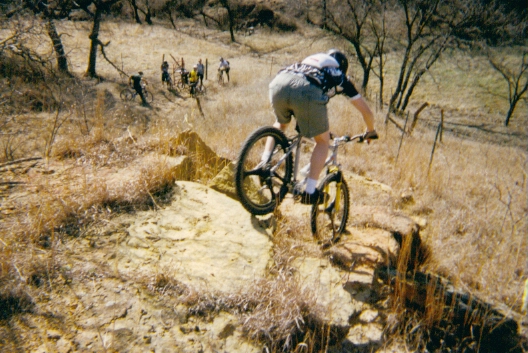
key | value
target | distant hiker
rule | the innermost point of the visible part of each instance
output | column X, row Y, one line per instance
column 193, row 78
column 224, row 66
column 201, row 69
column 137, row 82
column 165, row 76
column 184, row 75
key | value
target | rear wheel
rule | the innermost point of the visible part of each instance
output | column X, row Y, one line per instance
column 328, row 220
column 126, row 94
column 148, row 96
column 261, row 186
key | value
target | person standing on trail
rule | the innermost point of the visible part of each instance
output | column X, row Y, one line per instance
column 302, row 90
column 193, row 79
column 201, row 70
column 137, row 82
column 165, row 76
column 224, row 66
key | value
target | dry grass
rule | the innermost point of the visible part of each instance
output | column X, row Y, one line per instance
column 473, row 195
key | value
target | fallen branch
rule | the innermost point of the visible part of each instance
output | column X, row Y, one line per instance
column 395, row 122
column 415, row 118
column 20, row 161
column 11, row 182
column 102, row 45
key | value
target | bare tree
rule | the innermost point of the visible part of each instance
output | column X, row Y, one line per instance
column 101, row 6
column 49, row 12
column 517, row 79
column 145, row 8
column 423, row 44
column 231, row 17
column 431, row 27
column 135, row 9
column 378, row 25
column 350, row 19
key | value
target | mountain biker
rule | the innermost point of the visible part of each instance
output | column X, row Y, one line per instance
column 137, row 82
column 165, row 77
column 201, row 70
column 193, row 78
column 184, row 74
column 224, row 66
column 303, row 90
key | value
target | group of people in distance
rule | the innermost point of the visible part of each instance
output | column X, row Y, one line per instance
column 196, row 75
column 193, row 77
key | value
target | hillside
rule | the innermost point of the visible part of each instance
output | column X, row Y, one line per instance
column 62, row 211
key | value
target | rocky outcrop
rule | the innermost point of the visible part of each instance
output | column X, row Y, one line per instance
column 194, row 273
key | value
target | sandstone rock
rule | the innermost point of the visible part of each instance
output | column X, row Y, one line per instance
column 202, row 239
column 224, row 181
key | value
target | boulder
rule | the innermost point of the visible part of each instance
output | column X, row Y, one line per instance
column 202, row 239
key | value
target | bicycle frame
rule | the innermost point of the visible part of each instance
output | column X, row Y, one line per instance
column 295, row 145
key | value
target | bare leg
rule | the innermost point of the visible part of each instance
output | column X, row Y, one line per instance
column 269, row 142
column 319, row 155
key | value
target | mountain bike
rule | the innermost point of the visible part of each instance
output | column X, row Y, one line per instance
column 128, row 94
column 168, row 81
column 197, row 90
column 183, row 79
column 221, row 77
column 262, row 185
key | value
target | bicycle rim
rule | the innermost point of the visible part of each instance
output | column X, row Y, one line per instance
column 149, row 97
column 328, row 220
column 259, row 189
column 126, row 95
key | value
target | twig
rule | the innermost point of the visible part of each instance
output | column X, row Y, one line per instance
column 415, row 118
column 442, row 124
column 401, row 140
column 434, row 146
column 110, row 62
column 394, row 122
column 152, row 197
column 20, row 161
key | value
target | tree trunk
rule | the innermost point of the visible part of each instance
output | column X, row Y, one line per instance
column 94, row 37
column 136, row 12
column 231, row 18
column 148, row 14
column 62, row 62
column 324, row 15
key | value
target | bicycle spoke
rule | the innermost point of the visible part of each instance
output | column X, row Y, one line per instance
column 259, row 189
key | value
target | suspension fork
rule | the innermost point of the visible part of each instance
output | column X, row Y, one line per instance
column 337, row 202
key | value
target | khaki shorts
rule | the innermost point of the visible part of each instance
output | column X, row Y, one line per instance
column 293, row 95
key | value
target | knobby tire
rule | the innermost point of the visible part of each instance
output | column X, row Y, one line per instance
column 259, row 190
column 149, row 97
column 126, row 94
column 329, row 219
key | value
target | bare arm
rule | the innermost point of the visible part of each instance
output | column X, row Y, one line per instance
column 365, row 111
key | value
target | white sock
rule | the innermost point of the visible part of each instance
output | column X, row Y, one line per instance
column 310, row 185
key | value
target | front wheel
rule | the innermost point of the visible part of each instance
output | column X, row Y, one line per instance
column 262, row 185
column 148, row 96
column 200, row 90
column 328, row 220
